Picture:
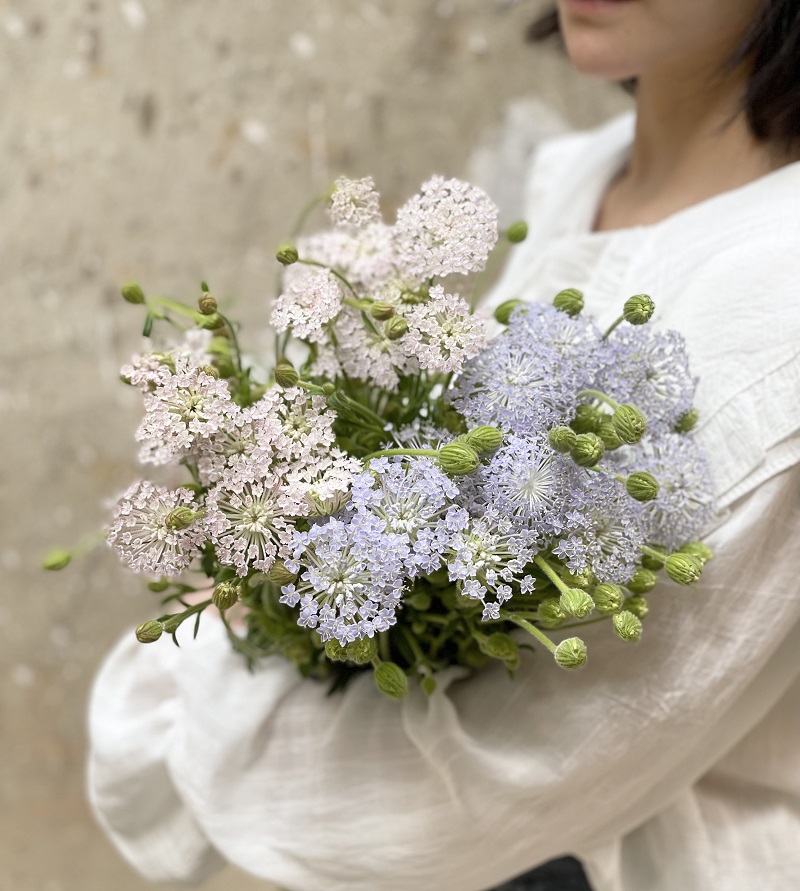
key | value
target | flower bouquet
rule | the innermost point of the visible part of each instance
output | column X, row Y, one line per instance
column 400, row 493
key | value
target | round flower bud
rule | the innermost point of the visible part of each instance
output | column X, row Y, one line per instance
column 380, row 310
column 643, row 580
column 578, row 579
column 503, row 312
column 686, row 421
column 279, row 575
column 637, row 605
column 334, row 651
column 225, row 595
column 212, row 322
column 428, row 685
column 607, row 597
column 499, row 646
column 395, row 328
column 654, row 563
column 642, row 486
column 56, row 559
column 287, row 255
column 133, row 293
column 638, row 309
column 588, row 450
column 285, row 374
column 158, row 586
column 180, row 518
column 629, row 423
column 571, row 653
column 149, row 632
column 360, row 651
column 549, row 614
column 562, row 439
column 608, row 434
column 420, row 600
column 569, row 301
column 457, row 458
column 207, row 304
column 697, row 549
column 517, row 232
column 576, row 602
column 627, row 625
column 484, row 440
column 587, row 419
column 391, row 680
column 683, row 568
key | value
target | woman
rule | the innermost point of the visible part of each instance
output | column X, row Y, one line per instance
column 673, row 768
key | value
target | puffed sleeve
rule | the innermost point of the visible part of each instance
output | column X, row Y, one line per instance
column 192, row 754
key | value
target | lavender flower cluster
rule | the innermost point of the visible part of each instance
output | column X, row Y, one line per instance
column 412, row 493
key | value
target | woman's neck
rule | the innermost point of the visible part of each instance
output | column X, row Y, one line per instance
column 692, row 142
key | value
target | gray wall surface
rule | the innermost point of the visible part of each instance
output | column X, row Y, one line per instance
column 166, row 141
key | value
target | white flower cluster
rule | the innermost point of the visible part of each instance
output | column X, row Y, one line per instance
column 261, row 467
column 395, row 321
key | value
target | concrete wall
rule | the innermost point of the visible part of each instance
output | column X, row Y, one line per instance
column 166, row 141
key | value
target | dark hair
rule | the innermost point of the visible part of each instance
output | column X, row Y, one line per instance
column 772, row 47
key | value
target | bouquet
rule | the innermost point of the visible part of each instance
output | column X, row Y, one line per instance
column 401, row 493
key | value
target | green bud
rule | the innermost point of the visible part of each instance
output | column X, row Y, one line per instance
column 391, row 680
column 278, row 574
column 212, row 322
column 578, row 579
column 588, row 449
column 395, row 328
column 56, row 559
column 643, row 580
column 133, row 293
column 569, row 301
column 207, row 304
column 173, row 623
column 499, row 646
column 571, row 653
column 484, row 440
column 629, row 423
column 627, row 625
column 587, row 419
column 420, row 600
column 637, row 605
column 287, row 255
column 457, row 458
column 225, row 595
column 607, row 597
column 608, row 434
column 638, row 309
column 687, row 421
column 697, row 549
column 549, row 614
column 503, row 312
column 360, row 651
column 576, row 602
column 418, row 627
column 158, row 586
column 285, row 374
column 428, row 684
column 517, row 232
column 149, row 632
column 380, row 310
column 562, row 439
column 328, row 388
column 683, row 568
column 180, row 518
column 642, row 486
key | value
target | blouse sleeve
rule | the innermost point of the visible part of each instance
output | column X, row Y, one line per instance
column 191, row 754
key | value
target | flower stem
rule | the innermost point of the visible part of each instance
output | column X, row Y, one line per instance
column 548, row 570
column 596, row 394
column 385, row 453
column 532, row 629
column 613, row 326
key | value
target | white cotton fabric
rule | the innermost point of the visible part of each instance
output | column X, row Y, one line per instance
column 674, row 764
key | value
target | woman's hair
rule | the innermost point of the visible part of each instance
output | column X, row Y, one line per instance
column 772, row 48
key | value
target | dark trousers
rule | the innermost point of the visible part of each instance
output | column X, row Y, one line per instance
column 564, row 874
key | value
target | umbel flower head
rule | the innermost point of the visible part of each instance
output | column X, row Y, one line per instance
column 355, row 203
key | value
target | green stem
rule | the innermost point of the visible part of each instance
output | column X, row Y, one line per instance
column 662, row 558
column 383, row 647
column 596, row 394
column 548, row 570
column 385, row 453
column 532, row 629
column 305, row 213
column 413, row 645
column 153, row 303
column 618, row 321
column 234, row 342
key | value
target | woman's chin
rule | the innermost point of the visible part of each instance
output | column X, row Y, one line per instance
column 596, row 57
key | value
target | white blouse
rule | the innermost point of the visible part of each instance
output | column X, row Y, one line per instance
column 670, row 765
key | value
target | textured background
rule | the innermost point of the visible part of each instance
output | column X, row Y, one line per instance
column 169, row 140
